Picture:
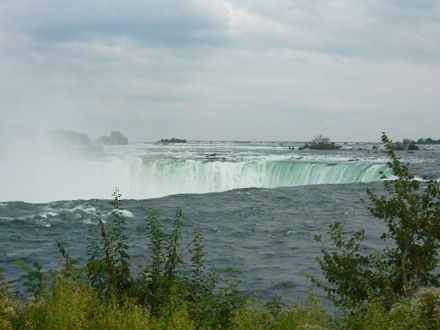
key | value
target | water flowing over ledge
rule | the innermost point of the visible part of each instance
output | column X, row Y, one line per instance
column 165, row 177
column 149, row 170
column 140, row 179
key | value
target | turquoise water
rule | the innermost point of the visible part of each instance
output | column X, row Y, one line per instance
column 149, row 170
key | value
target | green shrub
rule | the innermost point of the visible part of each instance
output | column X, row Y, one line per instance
column 301, row 315
column 34, row 278
column 411, row 213
column 108, row 267
column 9, row 307
column 174, row 315
column 163, row 291
column 422, row 311
column 66, row 304
column 166, row 279
column 114, row 314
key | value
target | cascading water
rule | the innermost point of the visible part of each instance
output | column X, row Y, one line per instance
column 166, row 177
column 148, row 171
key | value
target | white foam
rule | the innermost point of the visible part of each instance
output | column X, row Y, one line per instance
column 86, row 209
column 44, row 224
column 125, row 213
column 148, row 171
column 49, row 214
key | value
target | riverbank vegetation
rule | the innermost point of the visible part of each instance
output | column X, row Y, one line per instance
column 172, row 288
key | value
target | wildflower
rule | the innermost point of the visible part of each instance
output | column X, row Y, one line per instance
column 10, row 311
column 310, row 327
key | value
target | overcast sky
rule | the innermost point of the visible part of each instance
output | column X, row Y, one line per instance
column 222, row 69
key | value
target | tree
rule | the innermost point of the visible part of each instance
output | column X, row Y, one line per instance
column 321, row 143
column 406, row 144
column 411, row 212
column 428, row 141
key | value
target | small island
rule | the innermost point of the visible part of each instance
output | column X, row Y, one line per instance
column 321, row 143
column 172, row 140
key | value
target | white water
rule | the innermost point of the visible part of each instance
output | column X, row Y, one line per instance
column 151, row 170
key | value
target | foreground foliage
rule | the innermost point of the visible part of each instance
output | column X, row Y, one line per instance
column 411, row 213
column 70, row 303
column 170, row 289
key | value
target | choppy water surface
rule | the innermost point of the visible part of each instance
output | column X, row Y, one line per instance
column 259, row 205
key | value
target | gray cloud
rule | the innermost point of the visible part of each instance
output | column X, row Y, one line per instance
column 347, row 28
column 217, row 69
column 148, row 23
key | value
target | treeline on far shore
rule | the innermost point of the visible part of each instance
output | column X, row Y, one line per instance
column 428, row 141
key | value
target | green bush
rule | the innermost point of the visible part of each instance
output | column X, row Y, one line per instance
column 66, row 304
column 420, row 312
column 166, row 279
column 9, row 307
column 170, row 289
column 411, row 213
column 301, row 315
